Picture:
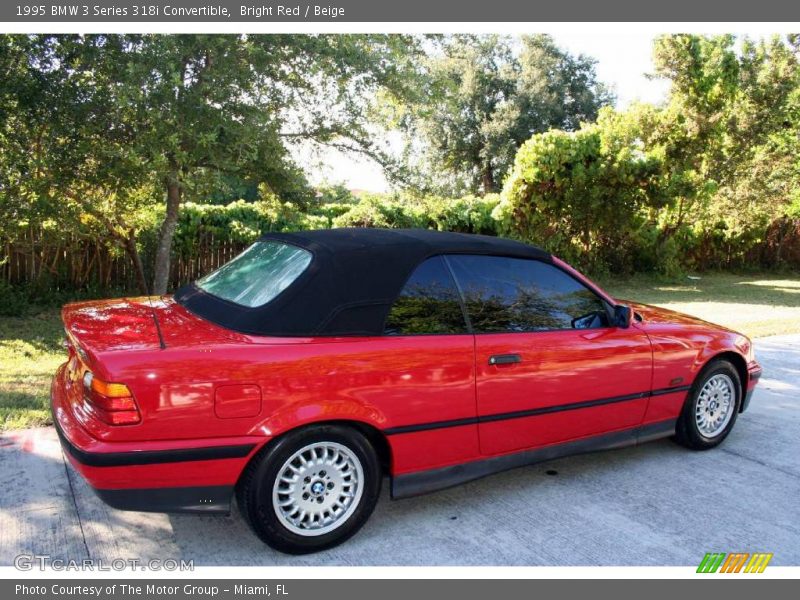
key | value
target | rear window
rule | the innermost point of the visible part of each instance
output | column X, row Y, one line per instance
column 258, row 274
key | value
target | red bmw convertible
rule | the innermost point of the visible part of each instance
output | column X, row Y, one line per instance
column 302, row 372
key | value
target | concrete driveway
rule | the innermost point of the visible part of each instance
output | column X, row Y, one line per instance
column 657, row 504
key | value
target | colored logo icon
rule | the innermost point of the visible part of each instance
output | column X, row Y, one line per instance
column 735, row 562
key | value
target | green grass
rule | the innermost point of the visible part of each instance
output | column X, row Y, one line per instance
column 30, row 347
column 30, row 350
column 756, row 305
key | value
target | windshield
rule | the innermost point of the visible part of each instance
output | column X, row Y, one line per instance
column 258, row 274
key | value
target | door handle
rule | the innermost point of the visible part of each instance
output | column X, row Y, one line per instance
column 504, row 359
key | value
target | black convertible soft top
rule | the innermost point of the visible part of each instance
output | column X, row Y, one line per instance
column 352, row 281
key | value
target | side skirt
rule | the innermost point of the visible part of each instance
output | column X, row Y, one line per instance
column 422, row 482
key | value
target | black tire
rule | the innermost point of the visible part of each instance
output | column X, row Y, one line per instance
column 687, row 431
column 254, row 492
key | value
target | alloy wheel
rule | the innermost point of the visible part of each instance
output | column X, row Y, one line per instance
column 318, row 488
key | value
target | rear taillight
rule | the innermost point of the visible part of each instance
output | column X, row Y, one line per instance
column 112, row 403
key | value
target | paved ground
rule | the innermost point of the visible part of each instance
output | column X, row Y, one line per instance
column 654, row 505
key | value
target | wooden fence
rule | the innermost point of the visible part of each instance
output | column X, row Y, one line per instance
column 74, row 262
column 69, row 261
column 206, row 255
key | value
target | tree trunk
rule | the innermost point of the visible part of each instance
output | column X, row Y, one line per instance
column 488, row 179
column 165, row 235
column 133, row 254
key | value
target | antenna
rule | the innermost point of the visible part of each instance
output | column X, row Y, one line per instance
column 155, row 320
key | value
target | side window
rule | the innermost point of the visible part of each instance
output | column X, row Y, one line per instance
column 517, row 295
column 428, row 304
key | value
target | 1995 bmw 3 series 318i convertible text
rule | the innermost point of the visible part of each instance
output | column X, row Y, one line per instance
column 300, row 373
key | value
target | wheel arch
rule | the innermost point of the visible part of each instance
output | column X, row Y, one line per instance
column 375, row 436
column 739, row 363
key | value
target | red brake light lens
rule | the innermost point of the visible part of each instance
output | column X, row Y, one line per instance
column 112, row 403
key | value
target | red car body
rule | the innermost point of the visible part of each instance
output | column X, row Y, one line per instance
column 209, row 398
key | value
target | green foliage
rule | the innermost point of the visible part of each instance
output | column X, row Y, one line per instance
column 469, row 214
column 375, row 211
column 111, row 144
column 691, row 185
column 204, row 228
column 210, row 226
column 581, row 194
column 108, row 125
column 484, row 97
column 13, row 301
column 730, row 128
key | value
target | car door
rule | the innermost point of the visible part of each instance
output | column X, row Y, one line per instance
column 427, row 359
column 549, row 367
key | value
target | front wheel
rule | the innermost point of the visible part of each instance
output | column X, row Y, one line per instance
column 711, row 408
column 312, row 490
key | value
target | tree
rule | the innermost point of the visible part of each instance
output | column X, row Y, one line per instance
column 44, row 177
column 486, row 96
column 583, row 194
column 173, row 112
column 692, row 182
column 731, row 122
column 26, row 106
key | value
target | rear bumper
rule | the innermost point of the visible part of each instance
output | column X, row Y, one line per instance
column 209, row 499
column 162, row 476
column 192, row 499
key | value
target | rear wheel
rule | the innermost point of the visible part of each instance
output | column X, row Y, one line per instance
column 311, row 490
column 711, row 408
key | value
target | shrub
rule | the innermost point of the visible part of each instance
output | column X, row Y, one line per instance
column 13, row 300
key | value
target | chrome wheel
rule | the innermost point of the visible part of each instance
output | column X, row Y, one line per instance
column 715, row 405
column 318, row 488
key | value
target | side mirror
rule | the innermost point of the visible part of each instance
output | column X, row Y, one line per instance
column 622, row 316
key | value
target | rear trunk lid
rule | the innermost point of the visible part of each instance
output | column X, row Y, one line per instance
column 101, row 327
column 111, row 343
